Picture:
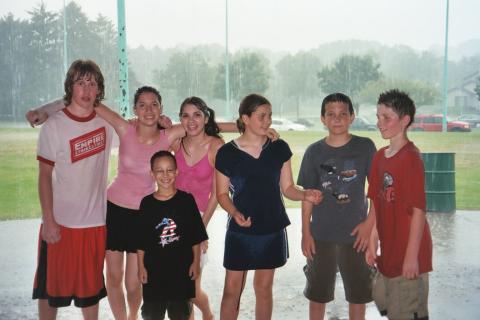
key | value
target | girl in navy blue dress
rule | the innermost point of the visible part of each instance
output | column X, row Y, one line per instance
column 252, row 173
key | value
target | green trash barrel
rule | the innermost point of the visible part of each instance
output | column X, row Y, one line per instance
column 440, row 181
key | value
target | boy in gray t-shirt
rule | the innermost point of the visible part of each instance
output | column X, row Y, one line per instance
column 336, row 232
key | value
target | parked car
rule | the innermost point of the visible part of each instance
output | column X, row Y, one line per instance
column 307, row 123
column 362, row 124
column 281, row 124
column 434, row 123
column 472, row 119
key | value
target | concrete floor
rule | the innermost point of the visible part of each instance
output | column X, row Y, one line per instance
column 454, row 283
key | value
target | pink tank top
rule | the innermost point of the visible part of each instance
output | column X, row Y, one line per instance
column 133, row 180
column 196, row 179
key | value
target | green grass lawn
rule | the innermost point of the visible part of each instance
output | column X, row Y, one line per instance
column 18, row 171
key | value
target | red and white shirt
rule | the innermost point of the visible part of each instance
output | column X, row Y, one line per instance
column 79, row 150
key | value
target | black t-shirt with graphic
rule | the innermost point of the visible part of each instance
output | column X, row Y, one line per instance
column 167, row 231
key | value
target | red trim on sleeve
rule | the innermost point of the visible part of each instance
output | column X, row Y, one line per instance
column 46, row 161
column 79, row 119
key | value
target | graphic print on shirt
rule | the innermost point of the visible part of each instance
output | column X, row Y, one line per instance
column 168, row 234
column 388, row 188
column 337, row 181
column 88, row 144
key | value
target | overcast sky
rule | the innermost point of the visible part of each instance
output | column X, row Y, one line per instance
column 289, row 25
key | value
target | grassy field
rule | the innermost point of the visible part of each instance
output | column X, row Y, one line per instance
column 18, row 170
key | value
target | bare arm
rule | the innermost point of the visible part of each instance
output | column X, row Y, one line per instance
column 212, row 201
column 362, row 231
column 232, row 127
column 194, row 270
column 308, row 243
column 226, row 203
column 227, row 126
column 292, row 191
column 114, row 119
column 40, row 114
column 50, row 229
column 175, row 133
column 410, row 268
column 142, row 272
column 371, row 252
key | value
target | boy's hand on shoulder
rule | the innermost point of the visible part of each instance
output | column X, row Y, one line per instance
column 142, row 274
column 194, row 270
column 308, row 245
column 314, row 196
column 51, row 232
column 362, row 233
column 410, row 268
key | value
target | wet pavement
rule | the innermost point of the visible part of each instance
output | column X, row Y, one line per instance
column 454, row 283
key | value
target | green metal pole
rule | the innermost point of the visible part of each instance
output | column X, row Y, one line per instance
column 65, row 54
column 227, row 67
column 123, row 59
column 445, row 74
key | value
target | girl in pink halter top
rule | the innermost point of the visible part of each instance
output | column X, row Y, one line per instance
column 196, row 179
column 201, row 142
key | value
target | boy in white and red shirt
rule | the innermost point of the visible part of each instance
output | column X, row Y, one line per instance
column 73, row 152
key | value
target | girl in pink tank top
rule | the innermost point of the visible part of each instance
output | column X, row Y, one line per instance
column 133, row 182
column 196, row 179
column 196, row 162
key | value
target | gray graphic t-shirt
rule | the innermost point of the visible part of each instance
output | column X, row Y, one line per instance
column 340, row 173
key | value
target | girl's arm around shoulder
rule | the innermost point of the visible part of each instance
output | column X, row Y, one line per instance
column 232, row 127
column 114, row 119
column 40, row 114
column 175, row 133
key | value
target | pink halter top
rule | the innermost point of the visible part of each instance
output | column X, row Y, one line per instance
column 196, row 179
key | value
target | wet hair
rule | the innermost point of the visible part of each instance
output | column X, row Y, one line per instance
column 211, row 127
column 83, row 69
column 162, row 154
column 337, row 97
column 247, row 106
column 146, row 89
column 400, row 102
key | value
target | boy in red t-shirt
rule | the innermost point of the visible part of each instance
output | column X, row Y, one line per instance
column 396, row 187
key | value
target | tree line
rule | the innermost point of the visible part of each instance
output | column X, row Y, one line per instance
column 32, row 53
